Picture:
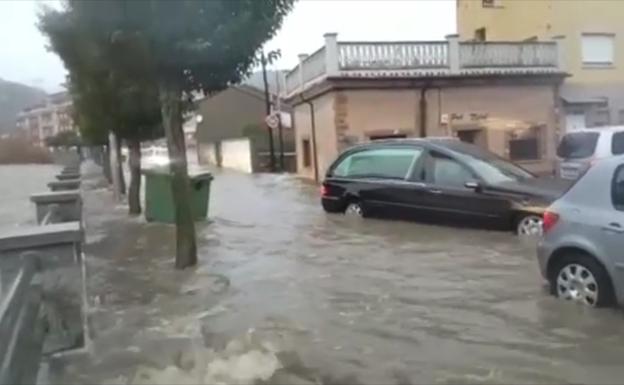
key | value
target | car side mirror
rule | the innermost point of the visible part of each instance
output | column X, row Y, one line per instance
column 473, row 185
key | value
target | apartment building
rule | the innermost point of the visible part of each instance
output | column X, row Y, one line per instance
column 591, row 34
column 44, row 120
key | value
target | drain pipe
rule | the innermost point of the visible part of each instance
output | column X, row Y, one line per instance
column 422, row 104
column 313, row 129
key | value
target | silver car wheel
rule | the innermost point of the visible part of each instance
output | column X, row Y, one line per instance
column 531, row 226
column 576, row 283
column 354, row 209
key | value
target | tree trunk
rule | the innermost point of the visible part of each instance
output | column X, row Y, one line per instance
column 171, row 110
column 106, row 164
column 114, row 159
column 122, row 178
column 134, row 161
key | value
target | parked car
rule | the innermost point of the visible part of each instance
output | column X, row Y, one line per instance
column 438, row 179
column 578, row 149
column 581, row 254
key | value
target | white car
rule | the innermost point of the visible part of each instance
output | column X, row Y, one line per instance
column 579, row 149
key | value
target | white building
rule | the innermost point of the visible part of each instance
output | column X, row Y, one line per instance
column 44, row 120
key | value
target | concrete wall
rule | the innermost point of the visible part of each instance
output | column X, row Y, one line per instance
column 347, row 117
column 237, row 154
column 227, row 113
column 207, row 154
column 326, row 138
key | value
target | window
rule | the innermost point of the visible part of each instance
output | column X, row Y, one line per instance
column 617, row 188
column 621, row 117
column 599, row 118
column 617, row 143
column 524, row 149
column 390, row 163
column 480, row 34
column 444, row 171
column 307, row 159
column 597, row 49
column 578, row 145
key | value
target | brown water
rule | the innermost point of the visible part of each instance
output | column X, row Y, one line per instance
column 17, row 182
column 330, row 299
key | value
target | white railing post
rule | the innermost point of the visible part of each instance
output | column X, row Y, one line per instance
column 453, row 53
column 331, row 54
column 302, row 58
column 560, row 41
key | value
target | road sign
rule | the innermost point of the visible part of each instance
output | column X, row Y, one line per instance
column 272, row 121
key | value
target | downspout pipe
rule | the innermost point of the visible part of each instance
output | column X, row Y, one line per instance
column 313, row 129
column 422, row 105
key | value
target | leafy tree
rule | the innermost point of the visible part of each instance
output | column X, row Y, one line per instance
column 192, row 46
column 110, row 93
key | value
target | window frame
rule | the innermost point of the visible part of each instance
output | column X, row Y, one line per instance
column 427, row 168
column 349, row 154
column 618, row 169
column 590, row 64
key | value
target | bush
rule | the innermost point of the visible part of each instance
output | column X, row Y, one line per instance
column 20, row 150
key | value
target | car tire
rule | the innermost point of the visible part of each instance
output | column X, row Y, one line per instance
column 528, row 225
column 581, row 278
column 354, row 208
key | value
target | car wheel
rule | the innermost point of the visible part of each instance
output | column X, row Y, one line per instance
column 354, row 209
column 580, row 278
column 529, row 226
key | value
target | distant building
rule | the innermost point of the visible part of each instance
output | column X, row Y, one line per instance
column 501, row 96
column 592, row 37
column 231, row 130
column 44, row 120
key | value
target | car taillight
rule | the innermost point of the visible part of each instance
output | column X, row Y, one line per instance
column 549, row 221
column 324, row 190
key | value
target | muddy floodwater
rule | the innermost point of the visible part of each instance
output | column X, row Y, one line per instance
column 283, row 287
column 17, row 182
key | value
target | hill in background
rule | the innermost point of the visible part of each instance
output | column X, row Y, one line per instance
column 13, row 98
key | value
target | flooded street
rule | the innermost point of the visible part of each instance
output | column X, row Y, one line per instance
column 284, row 289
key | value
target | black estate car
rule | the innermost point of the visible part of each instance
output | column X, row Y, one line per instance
column 441, row 180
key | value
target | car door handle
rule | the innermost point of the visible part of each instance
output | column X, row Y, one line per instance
column 435, row 191
column 613, row 227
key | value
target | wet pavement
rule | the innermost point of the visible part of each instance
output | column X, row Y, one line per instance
column 285, row 293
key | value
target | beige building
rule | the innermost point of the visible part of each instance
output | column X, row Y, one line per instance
column 592, row 38
column 48, row 119
column 501, row 96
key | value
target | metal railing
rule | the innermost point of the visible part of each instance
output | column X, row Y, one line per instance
column 22, row 327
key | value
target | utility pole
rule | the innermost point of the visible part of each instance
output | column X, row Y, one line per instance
column 267, row 101
column 280, row 131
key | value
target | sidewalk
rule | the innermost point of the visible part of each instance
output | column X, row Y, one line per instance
column 144, row 315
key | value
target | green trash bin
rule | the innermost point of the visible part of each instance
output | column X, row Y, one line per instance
column 159, row 205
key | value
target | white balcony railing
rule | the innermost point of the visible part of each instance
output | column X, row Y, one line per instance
column 440, row 58
column 495, row 54
column 401, row 55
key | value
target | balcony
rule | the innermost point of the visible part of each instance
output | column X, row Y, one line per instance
column 422, row 59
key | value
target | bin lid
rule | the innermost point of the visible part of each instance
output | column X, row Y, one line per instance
column 200, row 175
column 159, row 170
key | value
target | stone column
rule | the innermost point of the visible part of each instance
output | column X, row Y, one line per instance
column 453, row 53
column 331, row 54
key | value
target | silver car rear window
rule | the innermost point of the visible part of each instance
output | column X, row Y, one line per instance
column 578, row 145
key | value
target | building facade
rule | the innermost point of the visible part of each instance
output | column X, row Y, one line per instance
column 501, row 96
column 591, row 34
column 47, row 119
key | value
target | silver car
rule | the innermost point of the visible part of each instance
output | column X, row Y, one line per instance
column 582, row 251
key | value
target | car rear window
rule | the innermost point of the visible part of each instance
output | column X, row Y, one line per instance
column 617, row 143
column 578, row 145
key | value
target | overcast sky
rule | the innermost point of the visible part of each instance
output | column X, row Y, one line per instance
column 23, row 57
